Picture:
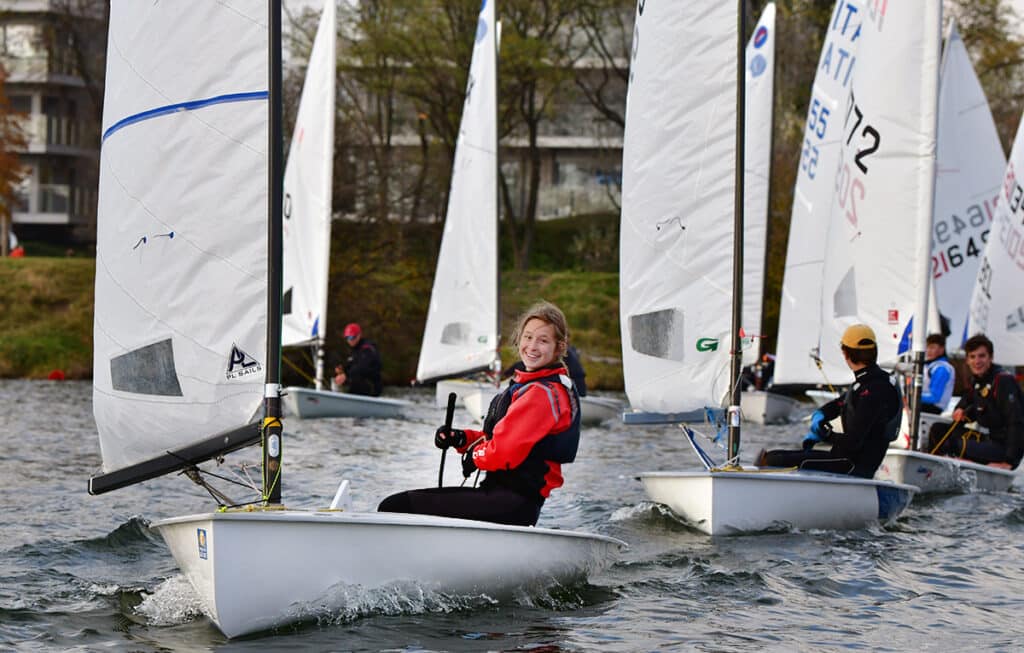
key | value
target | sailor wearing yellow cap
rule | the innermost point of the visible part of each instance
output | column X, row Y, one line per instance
column 870, row 412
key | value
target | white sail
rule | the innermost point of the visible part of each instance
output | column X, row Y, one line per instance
column 757, row 164
column 967, row 180
column 461, row 333
column 878, row 249
column 800, row 314
column 307, row 194
column 181, row 256
column 678, row 160
column 997, row 304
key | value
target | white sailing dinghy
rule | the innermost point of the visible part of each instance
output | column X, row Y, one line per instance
column 681, row 154
column 969, row 167
column 187, row 335
column 461, row 336
column 308, row 179
column 799, row 350
column 759, row 406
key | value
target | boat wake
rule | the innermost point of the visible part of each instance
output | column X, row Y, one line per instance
column 173, row 602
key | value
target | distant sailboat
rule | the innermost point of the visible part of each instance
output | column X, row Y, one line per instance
column 680, row 184
column 800, row 347
column 968, row 173
column 759, row 406
column 969, row 167
column 461, row 333
column 187, row 337
column 308, row 180
column 461, row 336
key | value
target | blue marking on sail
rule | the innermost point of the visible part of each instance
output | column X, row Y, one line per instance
column 184, row 106
column 316, row 327
column 907, row 339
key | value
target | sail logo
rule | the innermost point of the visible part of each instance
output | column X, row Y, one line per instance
column 894, row 316
column 758, row 65
column 707, row 344
column 761, row 37
column 241, row 364
column 201, row 543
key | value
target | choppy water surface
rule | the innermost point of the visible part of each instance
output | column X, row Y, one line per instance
column 85, row 573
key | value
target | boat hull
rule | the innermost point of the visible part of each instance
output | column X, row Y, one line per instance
column 762, row 407
column 233, row 560
column 942, row 474
column 593, row 410
column 460, row 387
column 307, row 403
column 734, row 503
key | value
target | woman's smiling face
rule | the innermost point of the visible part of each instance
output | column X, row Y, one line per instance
column 538, row 346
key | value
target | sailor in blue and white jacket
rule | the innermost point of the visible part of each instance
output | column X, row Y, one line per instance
column 939, row 376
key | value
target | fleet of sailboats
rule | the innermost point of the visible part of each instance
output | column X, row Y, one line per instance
column 969, row 162
column 211, row 257
column 191, row 175
column 693, row 189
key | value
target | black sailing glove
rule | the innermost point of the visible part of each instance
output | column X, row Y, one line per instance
column 445, row 437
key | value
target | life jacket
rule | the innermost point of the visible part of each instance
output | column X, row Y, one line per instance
column 529, row 478
column 982, row 395
column 891, row 428
column 947, row 391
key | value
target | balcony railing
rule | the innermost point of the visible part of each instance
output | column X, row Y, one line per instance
column 56, row 131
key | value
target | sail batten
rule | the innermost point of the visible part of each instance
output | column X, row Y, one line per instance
column 180, row 333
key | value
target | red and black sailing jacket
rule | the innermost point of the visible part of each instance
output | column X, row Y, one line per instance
column 532, row 428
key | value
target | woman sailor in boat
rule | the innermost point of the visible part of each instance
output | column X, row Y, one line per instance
column 532, row 428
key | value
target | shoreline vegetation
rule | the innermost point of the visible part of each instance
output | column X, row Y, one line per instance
column 381, row 277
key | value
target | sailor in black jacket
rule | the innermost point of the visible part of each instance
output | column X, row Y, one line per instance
column 993, row 406
column 361, row 372
column 870, row 413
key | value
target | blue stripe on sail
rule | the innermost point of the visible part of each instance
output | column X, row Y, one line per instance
column 184, row 106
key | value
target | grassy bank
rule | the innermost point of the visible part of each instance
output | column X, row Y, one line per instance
column 46, row 321
column 380, row 277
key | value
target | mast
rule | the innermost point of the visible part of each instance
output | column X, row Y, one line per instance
column 272, row 427
column 925, row 219
column 496, row 362
column 736, row 356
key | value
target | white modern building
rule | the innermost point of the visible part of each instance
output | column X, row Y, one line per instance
column 52, row 51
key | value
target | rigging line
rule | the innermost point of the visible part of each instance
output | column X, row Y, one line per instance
column 193, row 467
column 298, row 369
column 195, row 474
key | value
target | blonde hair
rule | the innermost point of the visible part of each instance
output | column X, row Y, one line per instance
column 547, row 313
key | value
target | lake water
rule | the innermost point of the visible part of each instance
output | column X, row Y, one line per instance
column 85, row 573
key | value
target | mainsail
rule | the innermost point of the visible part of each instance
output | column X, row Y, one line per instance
column 968, row 171
column 678, row 161
column 878, row 247
column 307, row 196
column 997, row 304
column 180, row 326
column 800, row 314
column 760, row 83
column 461, row 333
